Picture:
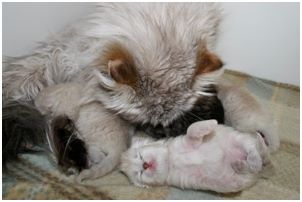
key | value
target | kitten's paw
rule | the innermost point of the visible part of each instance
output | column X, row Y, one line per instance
column 240, row 167
column 254, row 162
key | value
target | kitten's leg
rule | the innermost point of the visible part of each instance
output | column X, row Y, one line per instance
column 245, row 114
column 102, row 132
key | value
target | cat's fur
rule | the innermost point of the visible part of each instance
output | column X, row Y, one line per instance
column 151, row 60
column 105, row 135
column 145, row 62
column 209, row 157
column 23, row 128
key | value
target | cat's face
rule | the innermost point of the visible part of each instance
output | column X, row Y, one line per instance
column 146, row 165
column 158, row 90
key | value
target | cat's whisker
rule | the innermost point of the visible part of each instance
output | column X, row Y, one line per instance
column 67, row 144
column 194, row 115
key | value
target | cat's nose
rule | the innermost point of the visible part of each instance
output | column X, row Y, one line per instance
column 146, row 165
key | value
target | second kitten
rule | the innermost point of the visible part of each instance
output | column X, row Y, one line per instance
column 104, row 134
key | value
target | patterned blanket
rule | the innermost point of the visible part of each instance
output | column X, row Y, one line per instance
column 37, row 177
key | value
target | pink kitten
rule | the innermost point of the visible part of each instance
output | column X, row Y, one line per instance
column 210, row 157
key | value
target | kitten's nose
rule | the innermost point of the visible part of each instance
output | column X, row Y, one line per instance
column 146, row 165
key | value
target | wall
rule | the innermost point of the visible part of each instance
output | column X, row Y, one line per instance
column 261, row 39
column 25, row 24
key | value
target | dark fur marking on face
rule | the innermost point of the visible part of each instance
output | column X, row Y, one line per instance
column 207, row 107
column 71, row 151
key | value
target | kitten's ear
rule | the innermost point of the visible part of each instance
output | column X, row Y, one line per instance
column 198, row 130
column 206, row 61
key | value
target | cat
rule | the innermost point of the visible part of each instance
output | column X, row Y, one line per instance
column 209, row 157
column 147, row 63
column 104, row 135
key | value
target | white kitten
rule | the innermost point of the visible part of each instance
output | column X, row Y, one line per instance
column 210, row 157
column 104, row 134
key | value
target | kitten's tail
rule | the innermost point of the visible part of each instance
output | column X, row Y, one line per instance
column 24, row 127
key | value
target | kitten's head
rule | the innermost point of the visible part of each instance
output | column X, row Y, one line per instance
column 144, row 87
column 145, row 163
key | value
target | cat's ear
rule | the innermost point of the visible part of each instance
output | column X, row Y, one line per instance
column 198, row 130
column 208, row 71
column 117, row 66
column 120, row 65
column 123, row 72
column 206, row 61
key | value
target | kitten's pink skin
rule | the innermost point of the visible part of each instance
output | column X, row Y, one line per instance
column 215, row 158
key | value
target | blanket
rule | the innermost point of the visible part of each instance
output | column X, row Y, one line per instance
column 36, row 176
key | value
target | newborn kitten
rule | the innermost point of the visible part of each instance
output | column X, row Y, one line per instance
column 104, row 134
column 209, row 157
